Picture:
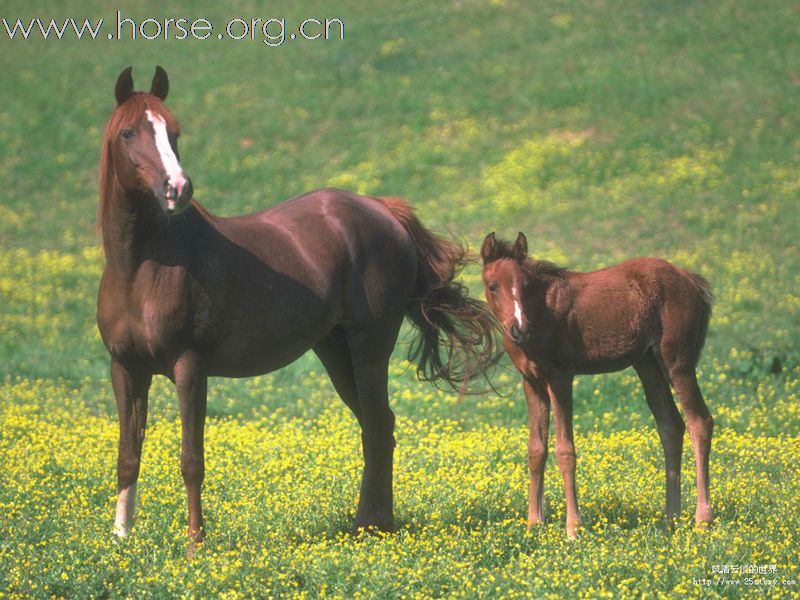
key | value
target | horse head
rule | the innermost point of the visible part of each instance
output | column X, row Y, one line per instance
column 142, row 144
column 504, row 281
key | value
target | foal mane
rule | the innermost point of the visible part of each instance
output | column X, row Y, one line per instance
column 535, row 269
column 124, row 114
column 538, row 269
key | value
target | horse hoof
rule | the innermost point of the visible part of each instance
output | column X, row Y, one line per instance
column 195, row 543
column 375, row 525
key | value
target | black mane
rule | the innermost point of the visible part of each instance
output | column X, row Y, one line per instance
column 533, row 268
column 543, row 268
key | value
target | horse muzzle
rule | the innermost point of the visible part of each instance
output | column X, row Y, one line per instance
column 177, row 195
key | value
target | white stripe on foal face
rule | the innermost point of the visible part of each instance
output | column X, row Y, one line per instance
column 170, row 162
column 124, row 518
column 517, row 306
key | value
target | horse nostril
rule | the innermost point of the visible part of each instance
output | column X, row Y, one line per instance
column 185, row 191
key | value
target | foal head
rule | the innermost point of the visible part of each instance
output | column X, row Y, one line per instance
column 504, row 281
column 140, row 149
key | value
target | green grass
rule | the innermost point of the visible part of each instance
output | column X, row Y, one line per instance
column 601, row 131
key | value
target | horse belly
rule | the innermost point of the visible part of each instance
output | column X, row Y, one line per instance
column 608, row 364
column 260, row 341
column 608, row 341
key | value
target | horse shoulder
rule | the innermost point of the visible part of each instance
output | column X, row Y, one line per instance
column 560, row 295
column 111, row 312
column 141, row 316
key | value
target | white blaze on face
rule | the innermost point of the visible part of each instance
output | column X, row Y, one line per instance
column 170, row 162
column 517, row 306
column 125, row 503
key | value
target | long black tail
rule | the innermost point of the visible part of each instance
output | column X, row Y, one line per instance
column 457, row 337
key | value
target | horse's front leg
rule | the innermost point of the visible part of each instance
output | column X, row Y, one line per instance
column 538, row 402
column 130, row 388
column 561, row 397
column 191, row 383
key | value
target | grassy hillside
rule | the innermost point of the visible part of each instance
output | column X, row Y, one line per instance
column 602, row 130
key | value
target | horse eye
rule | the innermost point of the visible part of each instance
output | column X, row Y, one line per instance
column 492, row 286
column 127, row 133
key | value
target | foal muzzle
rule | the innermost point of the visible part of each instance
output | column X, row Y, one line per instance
column 519, row 335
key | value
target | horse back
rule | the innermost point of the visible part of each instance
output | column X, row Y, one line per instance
column 610, row 317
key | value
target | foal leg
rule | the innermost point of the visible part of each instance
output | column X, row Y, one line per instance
column 538, row 401
column 670, row 427
column 131, row 389
column 560, row 389
column 192, row 384
column 700, row 424
column 370, row 350
column 334, row 355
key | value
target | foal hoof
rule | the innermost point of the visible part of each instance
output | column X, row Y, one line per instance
column 535, row 519
column 574, row 529
column 193, row 550
column 703, row 523
column 121, row 532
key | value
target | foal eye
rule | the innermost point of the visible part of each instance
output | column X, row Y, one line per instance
column 492, row 286
column 127, row 133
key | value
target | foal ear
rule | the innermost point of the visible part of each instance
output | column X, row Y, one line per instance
column 124, row 87
column 160, row 86
column 520, row 251
column 488, row 248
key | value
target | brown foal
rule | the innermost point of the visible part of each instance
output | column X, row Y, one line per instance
column 644, row 312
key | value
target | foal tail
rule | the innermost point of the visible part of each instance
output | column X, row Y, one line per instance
column 456, row 335
column 707, row 298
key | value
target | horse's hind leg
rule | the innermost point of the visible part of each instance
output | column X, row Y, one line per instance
column 131, row 389
column 670, row 426
column 681, row 367
column 370, row 349
column 334, row 355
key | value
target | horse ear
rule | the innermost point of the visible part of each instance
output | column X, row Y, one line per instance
column 520, row 247
column 160, row 86
column 488, row 248
column 124, row 87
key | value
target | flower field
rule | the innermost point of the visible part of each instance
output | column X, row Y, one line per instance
column 281, row 491
column 283, row 467
column 668, row 130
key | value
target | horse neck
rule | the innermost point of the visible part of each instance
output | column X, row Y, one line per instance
column 547, row 295
column 131, row 227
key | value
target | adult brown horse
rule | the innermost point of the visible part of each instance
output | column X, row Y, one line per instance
column 188, row 294
column 644, row 313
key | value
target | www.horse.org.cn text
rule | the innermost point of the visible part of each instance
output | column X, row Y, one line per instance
column 271, row 32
